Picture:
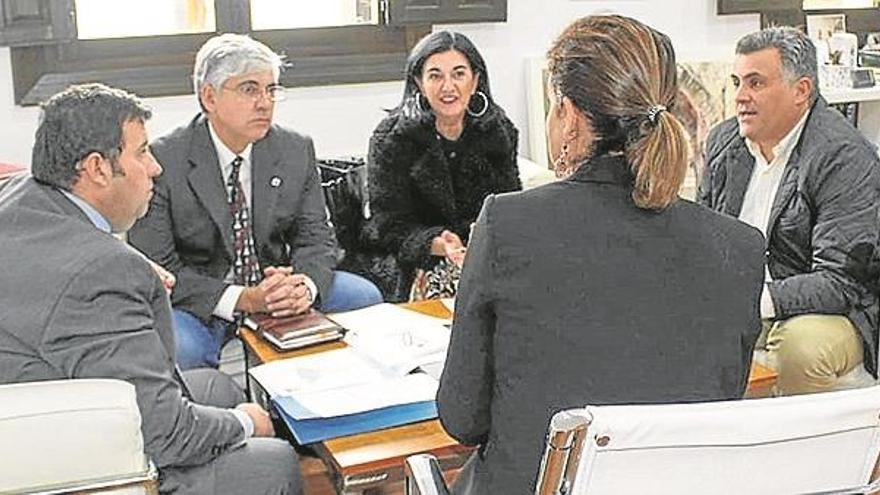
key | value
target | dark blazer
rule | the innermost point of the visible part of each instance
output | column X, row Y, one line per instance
column 79, row 303
column 571, row 295
column 823, row 230
column 188, row 229
column 414, row 196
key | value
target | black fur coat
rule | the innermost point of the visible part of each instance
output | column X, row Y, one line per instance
column 417, row 190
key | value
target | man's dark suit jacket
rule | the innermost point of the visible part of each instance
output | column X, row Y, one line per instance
column 79, row 303
column 188, row 229
column 571, row 295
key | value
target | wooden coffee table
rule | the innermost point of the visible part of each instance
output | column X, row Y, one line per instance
column 373, row 462
column 368, row 462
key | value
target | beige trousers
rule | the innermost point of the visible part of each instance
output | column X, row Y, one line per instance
column 810, row 352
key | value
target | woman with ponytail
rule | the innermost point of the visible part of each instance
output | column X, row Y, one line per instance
column 605, row 287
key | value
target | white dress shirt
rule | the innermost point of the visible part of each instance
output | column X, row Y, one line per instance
column 225, row 307
column 761, row 191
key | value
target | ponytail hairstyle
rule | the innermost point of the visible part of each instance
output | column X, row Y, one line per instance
column 622, row 75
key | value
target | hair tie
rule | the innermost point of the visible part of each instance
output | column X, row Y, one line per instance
column 654, row 112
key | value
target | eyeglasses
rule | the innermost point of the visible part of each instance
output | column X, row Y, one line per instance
column 253, row 92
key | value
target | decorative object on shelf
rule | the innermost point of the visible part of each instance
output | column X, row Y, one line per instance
column 869, row 55
column 862, row 78
column 820, row 28
column 835, row 76
column 836, row 50
column 842, row 48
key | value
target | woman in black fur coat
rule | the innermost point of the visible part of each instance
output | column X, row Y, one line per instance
column 433, row 160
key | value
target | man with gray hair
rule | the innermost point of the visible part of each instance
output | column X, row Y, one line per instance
column 83, row 304
column 239, row 215
column 794, row 168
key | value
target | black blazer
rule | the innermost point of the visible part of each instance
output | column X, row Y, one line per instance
column 188, row 228
column 571, row 295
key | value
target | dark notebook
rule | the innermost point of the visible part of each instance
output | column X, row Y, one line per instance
column 294, row 332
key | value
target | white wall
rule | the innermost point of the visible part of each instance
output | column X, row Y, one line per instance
column 341, row 118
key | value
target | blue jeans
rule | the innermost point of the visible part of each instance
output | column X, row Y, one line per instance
column 198, row 345
column 348, row 292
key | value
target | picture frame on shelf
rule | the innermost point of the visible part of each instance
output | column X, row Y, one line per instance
column 820, row 27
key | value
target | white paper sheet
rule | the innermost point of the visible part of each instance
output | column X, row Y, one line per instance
column 322, row 371
column 449, row 302
column 400, row 339
column 417, row 387
column 385, row 314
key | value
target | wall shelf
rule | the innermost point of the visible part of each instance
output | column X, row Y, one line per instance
column 847, row 95
column 869, row 108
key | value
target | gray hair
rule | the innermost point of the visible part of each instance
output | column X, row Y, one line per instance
column 78, row 121
column 797, row 52
column 230, row 55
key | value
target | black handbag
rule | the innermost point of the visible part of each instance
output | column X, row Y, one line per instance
column 344, row 183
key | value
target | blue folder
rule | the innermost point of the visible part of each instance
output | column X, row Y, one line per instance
column 312, row 430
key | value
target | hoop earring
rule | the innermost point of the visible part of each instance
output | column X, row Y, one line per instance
column 561, row 167
column 485, row 106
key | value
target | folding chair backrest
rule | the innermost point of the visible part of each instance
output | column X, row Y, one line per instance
column 806, row 444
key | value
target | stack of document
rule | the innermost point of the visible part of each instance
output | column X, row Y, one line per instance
column 387, row 376
column 340, row 382
column 400, row 339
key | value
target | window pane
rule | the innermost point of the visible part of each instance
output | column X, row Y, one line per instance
column 123, row 18
column 291, row 14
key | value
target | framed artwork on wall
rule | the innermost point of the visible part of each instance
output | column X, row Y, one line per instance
column 538, row 102
column 705, row 98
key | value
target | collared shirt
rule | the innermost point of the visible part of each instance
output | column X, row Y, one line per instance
column 225, row 307
column 225, row 157
column 764, row 183
column 94, row 215
column 761, row 191
column 101, row 223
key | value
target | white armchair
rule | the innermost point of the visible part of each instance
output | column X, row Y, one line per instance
column 821, row 443
column 70, row 436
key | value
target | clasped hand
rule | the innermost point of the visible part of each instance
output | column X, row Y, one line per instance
column 281, row 293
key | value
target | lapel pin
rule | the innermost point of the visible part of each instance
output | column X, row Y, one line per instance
column 275, row 181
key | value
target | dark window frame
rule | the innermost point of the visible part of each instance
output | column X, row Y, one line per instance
column 754, row 6
column 52, row 58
